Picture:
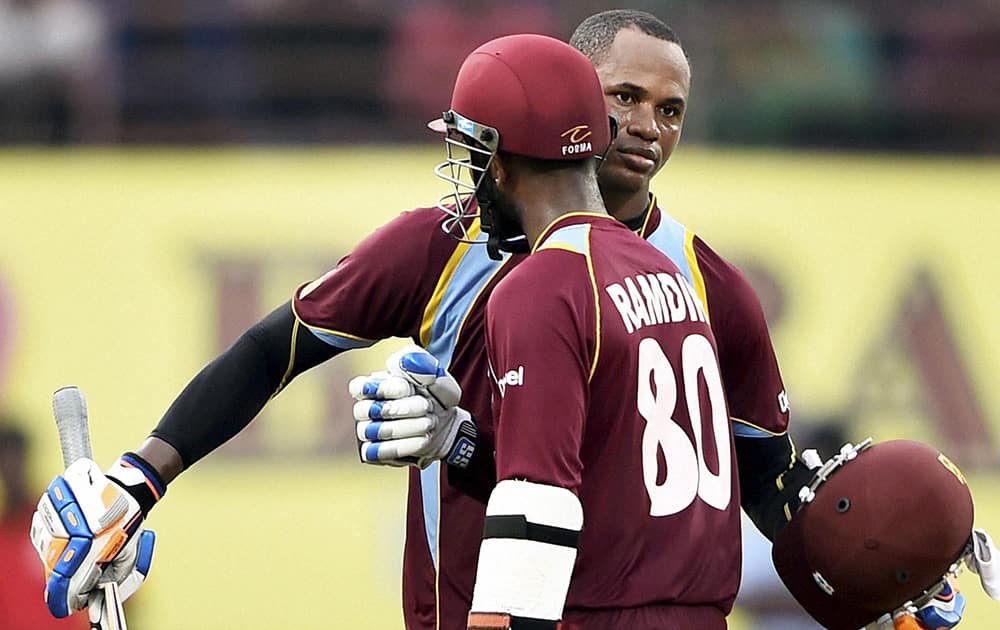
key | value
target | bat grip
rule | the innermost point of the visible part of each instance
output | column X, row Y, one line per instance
column 70, row 409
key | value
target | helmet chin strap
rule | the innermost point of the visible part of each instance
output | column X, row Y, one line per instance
column 502, row 238
column 493, row 246
column 496, row 246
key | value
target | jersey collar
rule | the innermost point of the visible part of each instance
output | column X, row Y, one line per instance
column 572, row 218
column 644, row 224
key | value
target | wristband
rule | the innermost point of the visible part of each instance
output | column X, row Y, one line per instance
column 138, row 477
column 504, row 621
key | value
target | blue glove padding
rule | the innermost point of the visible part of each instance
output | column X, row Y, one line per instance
column 945, row 610
column 409, row 414
column 87, row 530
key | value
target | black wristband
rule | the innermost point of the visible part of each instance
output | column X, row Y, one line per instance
column 148, row 493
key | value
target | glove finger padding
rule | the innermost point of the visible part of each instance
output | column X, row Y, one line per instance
column 409, row 414
column 397, row 429
column 422, row 369
column 394, row 453
column 409, row 407
column 380, row 386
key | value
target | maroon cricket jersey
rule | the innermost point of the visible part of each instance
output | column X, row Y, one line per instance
column 409, row 279
column 607, row 383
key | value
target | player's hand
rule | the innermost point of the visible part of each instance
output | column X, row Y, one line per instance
column 409, row 414
column 944, row 610
column 87, row 530
column 984, row 561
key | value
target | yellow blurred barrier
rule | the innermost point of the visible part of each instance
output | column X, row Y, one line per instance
column 125, row 270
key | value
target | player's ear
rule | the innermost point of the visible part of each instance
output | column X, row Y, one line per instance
column 499, row 170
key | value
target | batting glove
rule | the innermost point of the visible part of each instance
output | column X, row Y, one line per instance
column 941, row 612
column 409, row 414
column 87, row 530
column 984, row 561
column 944, row 610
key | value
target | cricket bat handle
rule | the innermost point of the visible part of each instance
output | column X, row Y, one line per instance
column 70, row 410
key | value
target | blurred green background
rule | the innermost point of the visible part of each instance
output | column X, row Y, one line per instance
column 115, row 262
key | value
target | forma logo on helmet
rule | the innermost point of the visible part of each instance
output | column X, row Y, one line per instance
column 529, row 96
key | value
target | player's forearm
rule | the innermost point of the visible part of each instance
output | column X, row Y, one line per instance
column 231, row 390
column 770, row 478
column 163, row 457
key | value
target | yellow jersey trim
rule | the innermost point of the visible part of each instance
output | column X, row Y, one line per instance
column 291, row 357
column 649, row 213
column 597, row 307
column 430, row 311
column 331, row 331
column 564, row 247
column 754, row 426
column 699, row 280
column 548, row 228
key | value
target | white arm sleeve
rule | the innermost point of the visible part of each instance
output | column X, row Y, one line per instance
column 528, row 550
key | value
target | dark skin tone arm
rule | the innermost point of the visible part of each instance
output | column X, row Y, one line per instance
column 163, row 457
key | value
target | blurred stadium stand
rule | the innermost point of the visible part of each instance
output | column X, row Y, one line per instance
column 897, row 75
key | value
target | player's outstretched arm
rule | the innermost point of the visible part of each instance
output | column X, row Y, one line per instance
column 231, row 390
column 88, row 523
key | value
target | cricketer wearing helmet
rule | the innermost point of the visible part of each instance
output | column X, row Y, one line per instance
column 622, row 479
column 412, row 279
column 602, row 503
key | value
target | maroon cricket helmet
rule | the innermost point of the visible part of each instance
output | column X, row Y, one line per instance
column 541, row 96
column 884, row 527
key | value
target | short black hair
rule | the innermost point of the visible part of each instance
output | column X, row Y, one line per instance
column 594, row 36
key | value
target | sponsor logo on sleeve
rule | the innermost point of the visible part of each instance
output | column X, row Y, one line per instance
column 513, row 378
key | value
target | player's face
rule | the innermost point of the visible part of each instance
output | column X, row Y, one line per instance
column 646, row 82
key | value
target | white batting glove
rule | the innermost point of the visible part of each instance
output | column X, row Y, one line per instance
column 985, row 562
column 87, row 530
column 409, row 414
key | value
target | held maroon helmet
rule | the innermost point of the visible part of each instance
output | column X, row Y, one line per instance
column 886, row 525
column 527, row 95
